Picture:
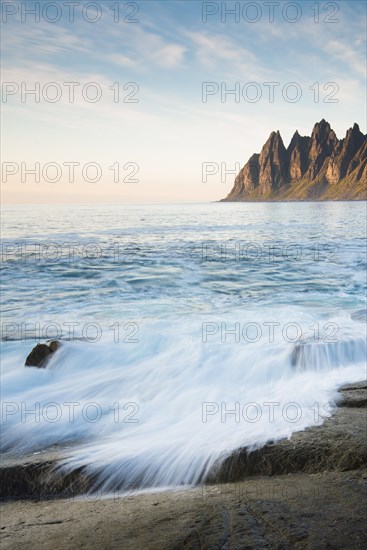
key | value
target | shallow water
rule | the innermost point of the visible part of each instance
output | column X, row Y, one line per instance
column 171, row 317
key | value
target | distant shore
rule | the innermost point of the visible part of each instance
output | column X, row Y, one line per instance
column 291, row 200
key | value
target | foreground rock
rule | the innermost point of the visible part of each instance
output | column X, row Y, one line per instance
column 320, row 167
column 296, row 512
column 304, row 511
column 41, row 354
column 38, row 476
column 338, row 445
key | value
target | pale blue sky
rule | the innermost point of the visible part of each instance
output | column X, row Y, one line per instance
column 169, row 53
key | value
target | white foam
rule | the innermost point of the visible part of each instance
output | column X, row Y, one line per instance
column 167, row 378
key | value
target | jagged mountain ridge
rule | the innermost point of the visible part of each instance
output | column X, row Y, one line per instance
column 319, row 167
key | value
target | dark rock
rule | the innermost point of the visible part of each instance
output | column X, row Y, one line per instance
column 343, row 155
column 247, row 179
column 319, row 167
column 54, row 345
column 323, row 143
column 358, row 165
column 41, row 353
column 36, row 480
column 297, row 151
column 273, row 159
column 339, row 444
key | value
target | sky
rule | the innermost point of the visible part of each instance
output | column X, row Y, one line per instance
column 133, row 100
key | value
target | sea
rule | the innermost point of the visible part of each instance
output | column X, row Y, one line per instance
column 187, row 331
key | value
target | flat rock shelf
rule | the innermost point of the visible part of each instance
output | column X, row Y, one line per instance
column 305, row 492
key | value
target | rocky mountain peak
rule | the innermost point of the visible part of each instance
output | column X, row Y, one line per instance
column 297, row 140
column 354, row 133
column 272, row 158
column 322, row 132
column 308, row 166
column 323, row 142
column 343, row 155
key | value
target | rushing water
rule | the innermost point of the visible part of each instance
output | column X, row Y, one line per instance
column 171, row 317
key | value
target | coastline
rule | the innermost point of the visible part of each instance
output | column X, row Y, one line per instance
column 293, row 200
column 303, row 492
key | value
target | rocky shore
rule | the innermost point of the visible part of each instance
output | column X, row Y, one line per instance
column 305, row 492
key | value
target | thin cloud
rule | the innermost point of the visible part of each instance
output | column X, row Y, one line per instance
column 219, row 52
column 349, row 55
